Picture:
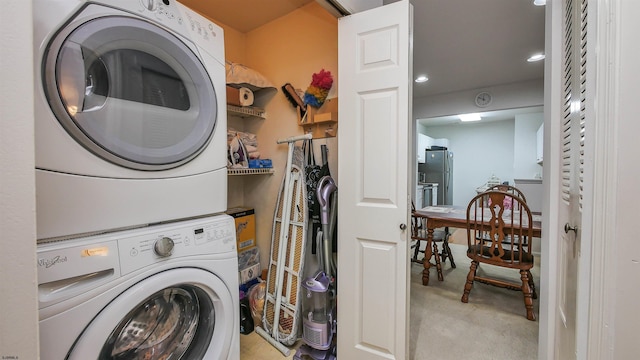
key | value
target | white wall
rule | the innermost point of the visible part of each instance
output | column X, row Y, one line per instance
column 469, row 141
column 524, row 147
column 480, row 150
column 471, row 148
column 519, row 95
column 18, row 302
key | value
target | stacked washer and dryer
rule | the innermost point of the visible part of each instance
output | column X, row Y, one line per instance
column 136, row 259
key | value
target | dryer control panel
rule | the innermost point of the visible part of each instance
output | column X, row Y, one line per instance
column 163, row 9
column 207, row 35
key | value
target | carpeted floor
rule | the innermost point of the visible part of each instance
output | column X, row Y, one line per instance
column 458, row 236
column 492, row 325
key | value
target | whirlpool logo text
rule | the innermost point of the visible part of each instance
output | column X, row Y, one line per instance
column 47, row 263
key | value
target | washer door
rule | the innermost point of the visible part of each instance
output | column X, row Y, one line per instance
column 177, row 314
column 130, row 92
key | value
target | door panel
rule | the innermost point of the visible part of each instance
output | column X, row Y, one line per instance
column 572, row 128
column 374, row 91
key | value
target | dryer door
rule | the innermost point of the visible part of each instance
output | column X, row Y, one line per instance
column 177, row 314
column 130, row 91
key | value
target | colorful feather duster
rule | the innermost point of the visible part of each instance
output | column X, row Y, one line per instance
column 317, row 92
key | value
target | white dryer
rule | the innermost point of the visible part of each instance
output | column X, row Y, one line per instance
column 164, row 292
column 130, row 115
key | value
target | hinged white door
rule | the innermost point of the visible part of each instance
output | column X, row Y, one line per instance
column 373, row 204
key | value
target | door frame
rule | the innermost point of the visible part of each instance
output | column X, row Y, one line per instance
column 602, row 92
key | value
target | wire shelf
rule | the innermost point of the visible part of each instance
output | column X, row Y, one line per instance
column 251, row 171
column 247, row 111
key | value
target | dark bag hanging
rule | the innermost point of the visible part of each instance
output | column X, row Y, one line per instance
column 312, row 176
column 313, row 173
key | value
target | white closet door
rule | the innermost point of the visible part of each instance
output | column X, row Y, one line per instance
column 374, row 107
column 572, row 149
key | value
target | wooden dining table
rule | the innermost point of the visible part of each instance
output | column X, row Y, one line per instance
column 452, row 216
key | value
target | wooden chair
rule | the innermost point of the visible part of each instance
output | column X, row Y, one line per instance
column 419, row 234
column 510, row 189
column 514, row 191
column 499, row 236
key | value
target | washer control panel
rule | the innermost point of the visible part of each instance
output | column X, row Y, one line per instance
column 71, row 267
column 172, row 241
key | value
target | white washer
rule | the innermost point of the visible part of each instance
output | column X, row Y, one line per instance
column 130, row 115
column 132, row 295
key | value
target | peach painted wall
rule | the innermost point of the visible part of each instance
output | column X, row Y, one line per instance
column 288, row 50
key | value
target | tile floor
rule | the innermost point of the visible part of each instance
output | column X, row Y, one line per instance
column 254, row 347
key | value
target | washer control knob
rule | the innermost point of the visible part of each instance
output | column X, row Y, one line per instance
column 163, row 247
column 149, row 4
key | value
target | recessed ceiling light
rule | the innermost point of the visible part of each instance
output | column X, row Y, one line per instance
column 421, row 79
column 470, row 117
column 539, row 2
column 536, row 57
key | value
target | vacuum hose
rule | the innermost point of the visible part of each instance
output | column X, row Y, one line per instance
column 326, row 186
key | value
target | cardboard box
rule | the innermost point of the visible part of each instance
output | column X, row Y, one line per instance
column 249, row 273
column 248, row 265
column 245, row 227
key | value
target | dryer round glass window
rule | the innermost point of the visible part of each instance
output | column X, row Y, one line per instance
column 131, row 92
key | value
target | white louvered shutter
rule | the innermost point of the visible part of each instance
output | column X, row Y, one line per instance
column 573, row 118
column 574, row 92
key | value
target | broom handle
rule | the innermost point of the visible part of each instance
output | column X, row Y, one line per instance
column 323, row 151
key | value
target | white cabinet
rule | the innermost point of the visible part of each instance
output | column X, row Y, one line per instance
column 533, row 192
column 424, row 142
column 539, row 144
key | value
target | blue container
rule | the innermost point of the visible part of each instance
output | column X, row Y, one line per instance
column 260, row 163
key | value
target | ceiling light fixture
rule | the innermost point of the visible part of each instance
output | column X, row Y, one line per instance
column 536, row 57
column 470, row 117
column 422, row 78
column 539, row 2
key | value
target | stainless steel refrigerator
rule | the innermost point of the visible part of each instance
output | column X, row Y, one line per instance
column 438, row 168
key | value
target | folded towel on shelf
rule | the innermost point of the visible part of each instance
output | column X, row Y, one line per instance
column 250, row 148
column 254, row 154
column 242, row 146
column 248, row 139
